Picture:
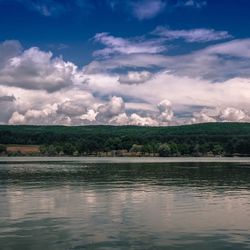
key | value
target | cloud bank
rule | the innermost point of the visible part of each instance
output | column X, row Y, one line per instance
column 131, row 81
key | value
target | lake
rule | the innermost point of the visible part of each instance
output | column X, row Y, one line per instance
column 76, row 203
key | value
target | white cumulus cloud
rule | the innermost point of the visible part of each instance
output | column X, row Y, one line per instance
column 36, row 69
column 233, row 114
column 166, row 112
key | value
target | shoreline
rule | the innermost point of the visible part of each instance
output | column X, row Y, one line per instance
column 33, row 159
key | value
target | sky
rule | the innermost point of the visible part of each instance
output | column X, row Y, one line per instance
column 124, row 62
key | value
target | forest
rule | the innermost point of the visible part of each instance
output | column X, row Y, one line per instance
column 208, row 139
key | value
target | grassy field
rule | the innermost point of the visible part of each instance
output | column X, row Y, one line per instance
column 24, row 149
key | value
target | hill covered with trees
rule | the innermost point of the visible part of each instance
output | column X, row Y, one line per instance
column 209, row 139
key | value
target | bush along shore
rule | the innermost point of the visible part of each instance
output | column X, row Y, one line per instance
column 213, row 139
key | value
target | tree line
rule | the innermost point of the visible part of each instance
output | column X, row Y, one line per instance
column 225, row 139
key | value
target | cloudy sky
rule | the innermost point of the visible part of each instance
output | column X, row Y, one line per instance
column 136, row 62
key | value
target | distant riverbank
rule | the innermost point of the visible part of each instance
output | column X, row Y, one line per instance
column 39, row 151
column 128, row 159
column 200, row 140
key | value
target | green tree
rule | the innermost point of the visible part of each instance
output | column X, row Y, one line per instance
column 218, row 149
column 196, row 150
column 204, row 148
column 3, row 148
column 174, row 149
column 68, row 149
column 147, row 149
column 43, row 149
column 164, row 150
column 184, row 149
column 51, row 150
column 136, row 148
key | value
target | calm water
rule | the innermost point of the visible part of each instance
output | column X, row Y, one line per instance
column 77, row 205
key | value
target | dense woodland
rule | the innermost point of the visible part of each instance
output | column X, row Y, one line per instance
column 224, row 139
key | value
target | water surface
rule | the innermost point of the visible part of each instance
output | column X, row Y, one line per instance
column 78, row 205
